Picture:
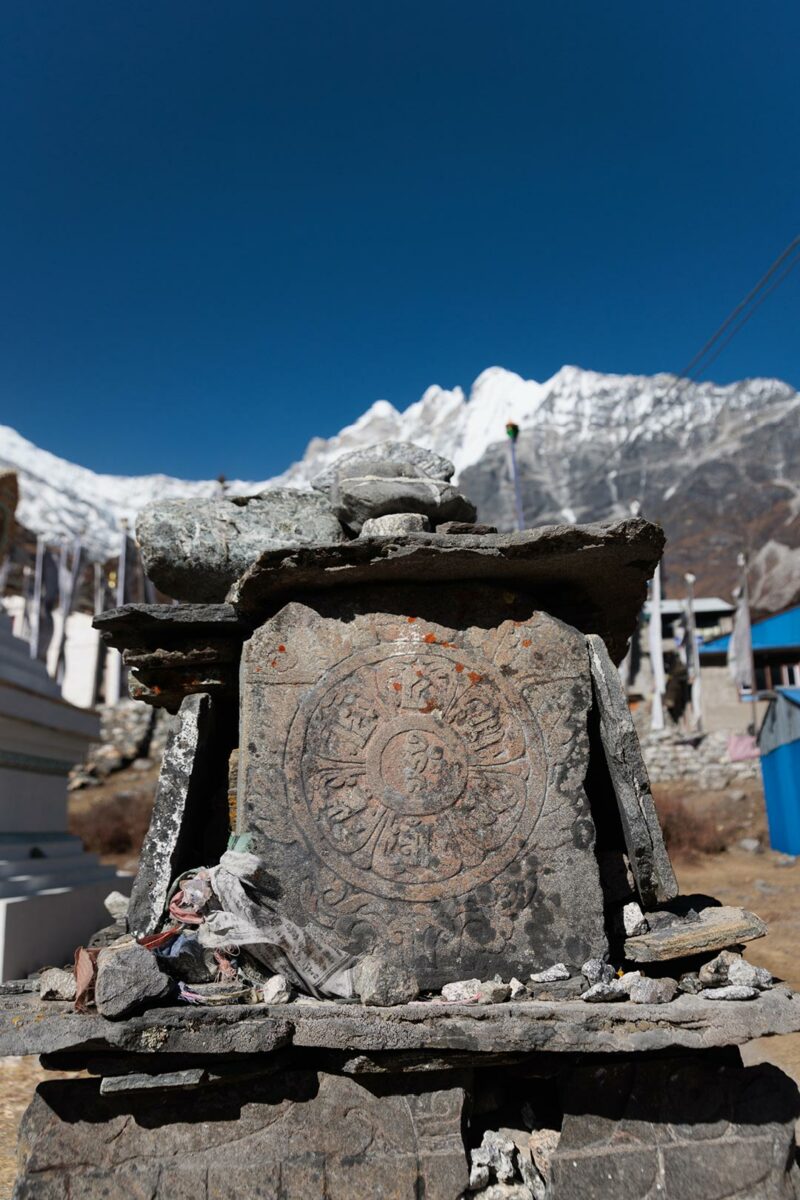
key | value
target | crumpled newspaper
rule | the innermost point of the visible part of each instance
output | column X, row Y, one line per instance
column 248, row 918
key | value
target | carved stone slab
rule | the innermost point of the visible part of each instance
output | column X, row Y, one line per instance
column 412, row 769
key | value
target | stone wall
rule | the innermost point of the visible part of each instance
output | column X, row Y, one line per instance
column 702, row 761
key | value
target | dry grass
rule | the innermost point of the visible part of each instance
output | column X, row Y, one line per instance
column 689, row 832
column 115, row 825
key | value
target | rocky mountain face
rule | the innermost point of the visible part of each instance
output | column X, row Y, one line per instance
column 719, row 467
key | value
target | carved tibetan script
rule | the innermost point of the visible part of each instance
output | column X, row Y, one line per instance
column 417, row 787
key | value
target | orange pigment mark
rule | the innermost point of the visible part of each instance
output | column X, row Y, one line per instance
column 411, row 620
column 474, row 677
column 398, row 687
column 274, row 662
column 430, row 639
column 281, row 649
column 459, row 667
column 526, row 642
column 429, row 707
column 418, row 673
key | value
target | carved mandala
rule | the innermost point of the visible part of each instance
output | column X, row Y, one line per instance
column 413, row 775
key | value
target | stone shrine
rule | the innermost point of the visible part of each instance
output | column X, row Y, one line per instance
column 450, row 956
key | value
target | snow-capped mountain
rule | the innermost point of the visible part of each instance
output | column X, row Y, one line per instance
column 719, row 466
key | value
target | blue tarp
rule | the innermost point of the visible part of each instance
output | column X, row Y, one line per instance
column 773, row 633
column 779, row 743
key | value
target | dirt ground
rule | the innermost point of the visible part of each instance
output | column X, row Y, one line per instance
column 761, row 882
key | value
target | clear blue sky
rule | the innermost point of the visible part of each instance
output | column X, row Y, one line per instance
column 227, row 227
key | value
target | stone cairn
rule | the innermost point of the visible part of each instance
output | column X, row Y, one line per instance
column 404, row 925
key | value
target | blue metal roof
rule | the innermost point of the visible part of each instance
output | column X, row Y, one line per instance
column 792, row 694
column 773, row 633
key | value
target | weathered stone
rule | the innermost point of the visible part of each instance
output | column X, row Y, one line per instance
column 675, row 1128
column 357, row 462
column 596, row 970
column 690, row 983
column 192, row 1077
column 393, row 523
column 644, row 841
column 116, row 905
column 551, row 974
column 604, row 993
column 729, row 967
column 652, row 991
column 29, row 1026
column 407, row 778
column 462, row 991
column 591, row 576
column 493, row 992
column 558, row 989
column 497, row 1154
column 543, row 1144
column 462, row 527
column 195, row 549
column 729, row 992
column 383, row 983
column 293, row 1135
column 751, row 845
column 128, row 979
column 683, row 936
column 506, row 1191
column 189, row 824
column 56, row 984
column 517, row 990
column 362, row 499
column 277, row 990
column 633, row 920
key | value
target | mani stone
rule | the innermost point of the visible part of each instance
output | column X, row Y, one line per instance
column 372, row 496
column 195, row 549
column 647, row 854
column 295, row 1134
column 681, row 937
column 411, row 770
column 128, row 979
column 361, row 462
column 395, row 523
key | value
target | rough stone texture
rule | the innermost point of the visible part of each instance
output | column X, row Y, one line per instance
column 604, row 993
column 293, row 1136
column 190, row 1078
column 633, row 920
column 382, row 983
column 395, row 523
column 675, row 1129
column 647, row 854
column 277, row 990
column 731, row 968
column 704, row 762
column 550, row 974
column 128, row 978
column 652, row 991
column 195, row 549
column 411, row 769
column 370, row 496
column 56, row 984
column 461, row 991
column 31, row 1026
column 461, row 527
column 683, row 936
column 351, row 465
column 596, row 970
column 729, row 992
column 592, row 576
column 189, row 821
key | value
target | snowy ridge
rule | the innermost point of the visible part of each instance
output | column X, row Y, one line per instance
column 575, row 427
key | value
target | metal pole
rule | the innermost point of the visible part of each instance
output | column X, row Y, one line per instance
column 692, row 655
column 115, row 671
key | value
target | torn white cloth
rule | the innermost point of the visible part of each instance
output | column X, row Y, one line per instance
column 252, row 923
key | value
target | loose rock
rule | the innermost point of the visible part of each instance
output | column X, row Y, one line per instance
column 731, row 992
column 128, row 979
column 358, row 500
column 462, row 991
column 690, row 983
column 634, row 920
column 56, row 984
column 652, row 991
column 604, row 993
column 381, row 983
column 551, row 974
column 518, row 990
column 492, row 992
column 730, row 968
column 596, row 971
column 395, row 523
column 497, row 1153
column 677, row 936
column 116, row 905
column 751, row 845
column 277, row 990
